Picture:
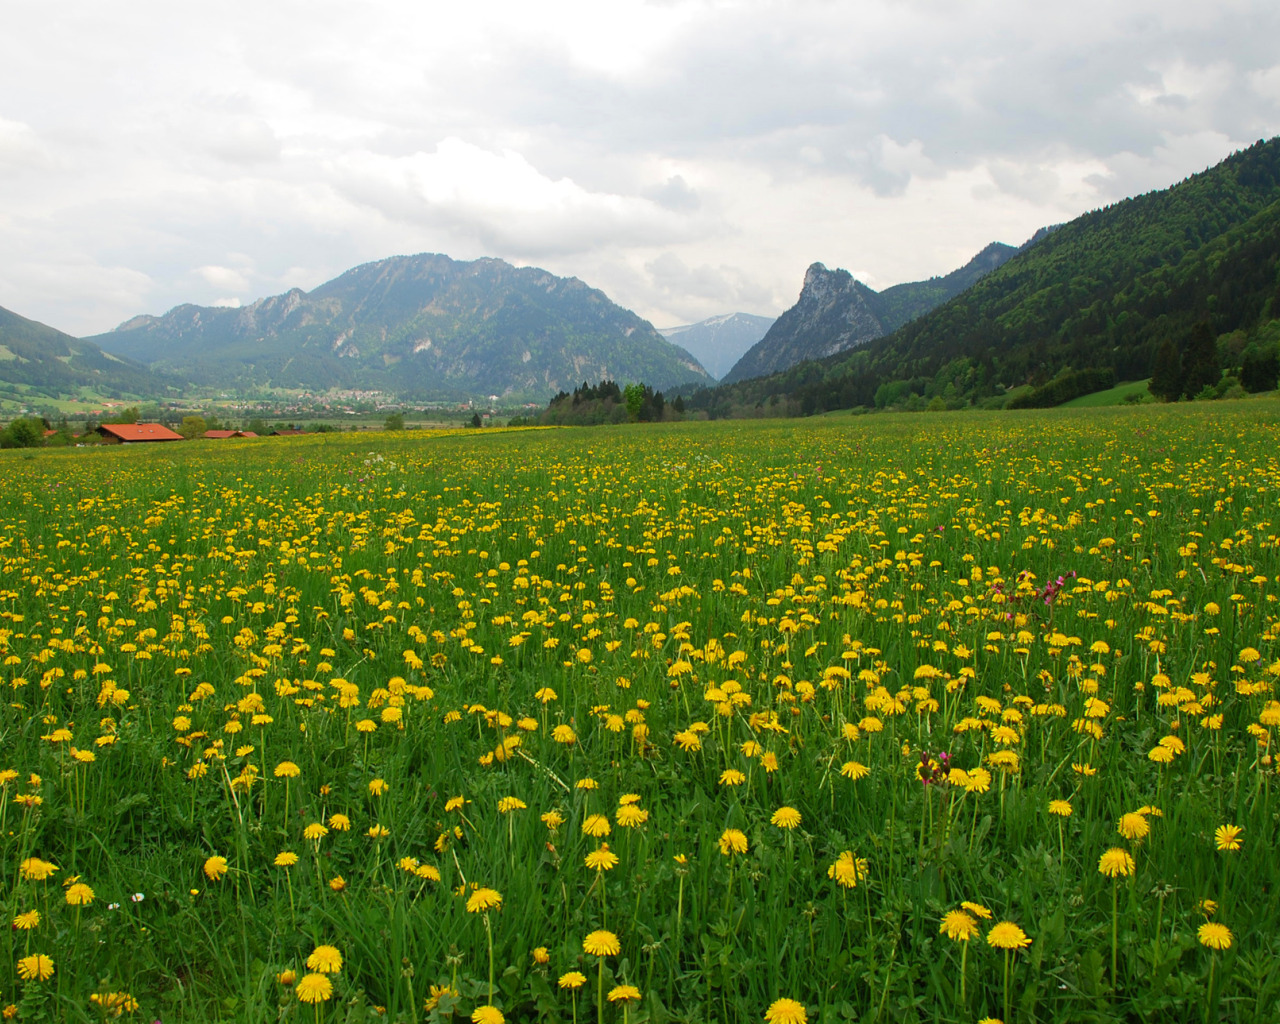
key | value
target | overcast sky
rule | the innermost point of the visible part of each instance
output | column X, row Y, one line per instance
column 689, row 158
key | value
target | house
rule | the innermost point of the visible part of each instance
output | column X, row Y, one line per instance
column 131, row 433
column 287, row 432
column 221, row 435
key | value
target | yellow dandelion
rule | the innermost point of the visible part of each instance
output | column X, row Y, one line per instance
column 733, row 841
column 315, row 988
column 1116, row 863
column 483, row 900
column 602, row 859
column 1007, row 935
column 1133, row 826
column 958, row 926
column 39, row 967
column 786, row 1011
column 1214, row 935
column 325, row 959
column 602, row 943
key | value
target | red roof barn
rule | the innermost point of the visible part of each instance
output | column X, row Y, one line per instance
column 128, row 433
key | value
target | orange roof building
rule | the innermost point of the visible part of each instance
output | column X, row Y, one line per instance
column 131, row 433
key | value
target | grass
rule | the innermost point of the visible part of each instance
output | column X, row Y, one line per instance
column 854, row 704
column 1117, row 395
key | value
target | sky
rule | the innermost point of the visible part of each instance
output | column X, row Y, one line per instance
column 689, row 157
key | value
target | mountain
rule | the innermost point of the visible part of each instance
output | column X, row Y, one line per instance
column 836, row 312
column 1103, row 293
column 420, row 326
column 41, row 359
column 720, row 341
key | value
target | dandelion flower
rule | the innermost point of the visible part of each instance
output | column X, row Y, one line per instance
column 786, row 1011
column 1061, row 808
column 1007, row 935
column 572, row 980
column 1133, row 826
column 602, row 943
column 1215, row 936
column 286, row 859
column 848, row 870
column 541, row 955
column 624, row 994
column 315, row 988
column 314, row 832
column 483, row 900
column 36, row 870
column 79, row 895
column 732, row 841
column 596, row 825
column 215, row 868
column 785, row 817
column 39, row 967
column 27, row 921
column 631, row 816
column 1227, row 837
column 732, row 777
column 958, row 926
column 287, row 770
column 602, row 859
column 339, row 823
column 852, row 770
column 325, row 959
column 976, row 909
column 1116, row 863
column 487, row 1015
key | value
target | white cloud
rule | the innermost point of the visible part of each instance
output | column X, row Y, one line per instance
column 680, row 154
column 20, row 150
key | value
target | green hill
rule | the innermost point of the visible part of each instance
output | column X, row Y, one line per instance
column 38, row 360
column 1104, row 292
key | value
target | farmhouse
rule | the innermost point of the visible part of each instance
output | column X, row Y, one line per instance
column 131, row 433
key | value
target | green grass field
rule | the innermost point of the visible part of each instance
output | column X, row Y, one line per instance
column 878, row 718
column 1118, row 395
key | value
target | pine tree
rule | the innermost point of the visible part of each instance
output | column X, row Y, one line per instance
column 1200, row 361
column 1166, row 374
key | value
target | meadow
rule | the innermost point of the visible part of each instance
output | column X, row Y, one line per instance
column 899, row 718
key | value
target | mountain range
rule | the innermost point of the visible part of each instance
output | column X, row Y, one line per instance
column 720, row 341
column 1098, row 296
column 423, row 327
column 1095, row 299
column 836, row 312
